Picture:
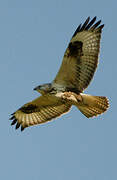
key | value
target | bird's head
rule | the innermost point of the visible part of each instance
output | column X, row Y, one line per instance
column 44, row 88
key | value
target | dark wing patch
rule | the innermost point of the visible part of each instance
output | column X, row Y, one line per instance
column 75, row 48
column 29, row 108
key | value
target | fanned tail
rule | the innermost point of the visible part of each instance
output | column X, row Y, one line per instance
column 93, row 105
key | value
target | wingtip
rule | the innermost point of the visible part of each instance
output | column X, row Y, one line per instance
column 12, row 117
column 22, row 128
column 12, row 114
column 88, row 18
column 95, row 17
column 17, row 125
column 88, row 24
column 13, row 122
column 101, row 26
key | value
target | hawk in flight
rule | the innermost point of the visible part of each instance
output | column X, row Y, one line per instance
column 76, row 72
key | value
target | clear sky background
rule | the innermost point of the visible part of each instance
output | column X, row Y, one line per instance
column 33, row 37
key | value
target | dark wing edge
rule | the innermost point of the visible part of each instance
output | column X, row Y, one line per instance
column 15, row 121
column 89, row 25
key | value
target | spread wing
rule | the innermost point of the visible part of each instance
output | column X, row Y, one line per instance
column 40, row 110
column 81, row 57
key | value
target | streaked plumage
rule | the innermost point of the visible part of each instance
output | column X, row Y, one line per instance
column 76, row 72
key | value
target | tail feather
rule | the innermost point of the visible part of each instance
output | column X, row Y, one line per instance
column 93, row 105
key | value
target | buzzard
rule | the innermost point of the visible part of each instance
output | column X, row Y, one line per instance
column 76, row 72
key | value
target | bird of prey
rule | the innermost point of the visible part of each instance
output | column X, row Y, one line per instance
column 76, row 72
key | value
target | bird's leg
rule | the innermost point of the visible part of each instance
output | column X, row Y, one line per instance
column 72, row 96
column 79, row 97
column 66, row 95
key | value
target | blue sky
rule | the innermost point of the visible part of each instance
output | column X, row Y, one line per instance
column 33, row 37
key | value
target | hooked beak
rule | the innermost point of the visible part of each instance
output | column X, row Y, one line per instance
column 36, row 88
